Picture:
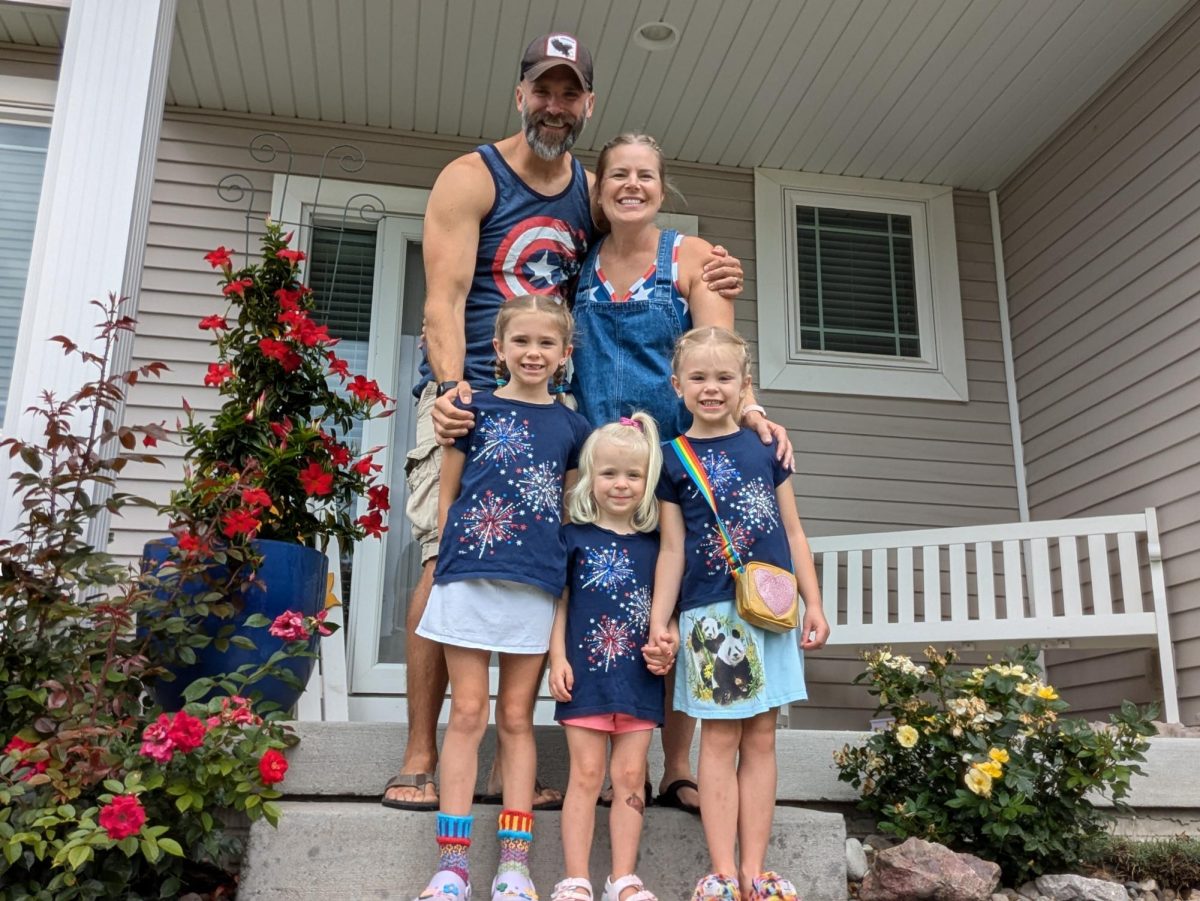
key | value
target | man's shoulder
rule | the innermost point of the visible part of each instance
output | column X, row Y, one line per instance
column 466, row 176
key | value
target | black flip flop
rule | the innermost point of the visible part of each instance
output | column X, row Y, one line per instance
column 409, row 780
column 670, row 796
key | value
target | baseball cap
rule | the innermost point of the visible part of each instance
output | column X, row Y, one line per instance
column 557, row 49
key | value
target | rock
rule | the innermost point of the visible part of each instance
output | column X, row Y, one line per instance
column 856, row 860
column 1028, row 890
column 1067, row 887
column 879, row 842
column 922, row 871
column 1148, row 885
column 999, row 896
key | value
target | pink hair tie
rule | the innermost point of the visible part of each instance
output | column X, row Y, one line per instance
column 625, row 420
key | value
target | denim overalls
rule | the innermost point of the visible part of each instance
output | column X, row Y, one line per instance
column 623, row 350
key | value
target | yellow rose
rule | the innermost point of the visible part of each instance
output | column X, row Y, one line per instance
column 1047, row 693
column 979, row 782
column 1026, row 688
column 906, row 736
column 992, row 768
column 1000, row 755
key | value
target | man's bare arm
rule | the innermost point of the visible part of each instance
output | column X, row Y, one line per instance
column 461, row 197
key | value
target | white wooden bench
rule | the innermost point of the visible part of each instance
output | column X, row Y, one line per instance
column 967, row 587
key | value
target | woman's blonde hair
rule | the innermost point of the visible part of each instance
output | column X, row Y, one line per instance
column 536, row 303
column 637, row 432
column 626, row 139
column 714, row 336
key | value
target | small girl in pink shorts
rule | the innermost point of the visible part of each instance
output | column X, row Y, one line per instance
column 597, row 672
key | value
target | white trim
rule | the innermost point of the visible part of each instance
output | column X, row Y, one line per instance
column 1010, row 378
column 940, row 373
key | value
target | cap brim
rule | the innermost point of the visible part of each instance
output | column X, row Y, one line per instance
column 537, row 70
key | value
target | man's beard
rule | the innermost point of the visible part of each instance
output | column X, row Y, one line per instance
column 549, row 150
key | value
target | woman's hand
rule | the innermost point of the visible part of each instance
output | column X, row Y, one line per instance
column 449, row 421
column 723, row 273
column 562, row 679
column 770, row 432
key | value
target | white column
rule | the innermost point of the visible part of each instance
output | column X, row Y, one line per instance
column 90, row 237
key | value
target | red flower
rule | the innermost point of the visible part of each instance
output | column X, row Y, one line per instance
column 367, row 390
column 156, row 743
column 191, row 544
column 289, row 298
column 378, row 497
column 309, row 333
column 219, row 258
column 149, row 441
column 315, row 479
column 289, row 626
column 277, row 350
column 122, row 817
column 237, row 522
column 339, row 454
column 366, row 465
column 218, row 373
column 256, row 496
column 214, row 322
column 272, row 767
column 372, row 522
column 291, row 256
column 17, row 746
column 238, row 287
column 337, row 366
column 186, row 732
column 318, row 623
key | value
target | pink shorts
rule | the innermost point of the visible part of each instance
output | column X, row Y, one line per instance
column 612, row 723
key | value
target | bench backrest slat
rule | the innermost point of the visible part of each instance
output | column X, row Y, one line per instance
column 1098, row 567
column 985, row 584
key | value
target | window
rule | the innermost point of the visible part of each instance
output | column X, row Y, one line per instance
column 22, row 160
column 858, row 287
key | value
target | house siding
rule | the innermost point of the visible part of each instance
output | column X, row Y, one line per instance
column 863, row 464
column 1103, row 266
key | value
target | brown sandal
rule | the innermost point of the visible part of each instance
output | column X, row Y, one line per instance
column 409, row 780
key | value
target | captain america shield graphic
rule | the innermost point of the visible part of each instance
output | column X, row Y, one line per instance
column 536, row 257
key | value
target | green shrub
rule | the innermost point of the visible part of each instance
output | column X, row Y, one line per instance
column 979, row 760
column 1171, row 862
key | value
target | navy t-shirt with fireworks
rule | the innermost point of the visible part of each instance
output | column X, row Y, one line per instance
column 507, row 520
column 611, row 580
column 744, row 474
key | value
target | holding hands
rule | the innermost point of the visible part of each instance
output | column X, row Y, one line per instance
column 660, row 651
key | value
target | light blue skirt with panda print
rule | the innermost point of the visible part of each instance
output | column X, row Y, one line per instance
column 731, row 670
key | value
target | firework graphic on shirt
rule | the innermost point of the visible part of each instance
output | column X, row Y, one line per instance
column 490, row 522
column 503, row 439
column 608, row 641
column 606, row 568
column 637, row 607
column 721, row 472
column 712, row 547
column 541, row 490
column 756, row 502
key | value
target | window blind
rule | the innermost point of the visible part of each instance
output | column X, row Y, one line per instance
column 856, row 285
column 22, row 163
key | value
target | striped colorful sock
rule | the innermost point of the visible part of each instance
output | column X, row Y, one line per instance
column 454, row 843
column 516, row 834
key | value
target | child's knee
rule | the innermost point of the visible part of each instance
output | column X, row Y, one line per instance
column 628, row 777
column 469, row 715
column 720, row 736
column 758, row 737
column 514, row 718
column 588, row 773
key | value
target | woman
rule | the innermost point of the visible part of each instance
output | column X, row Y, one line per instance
column 640, row 288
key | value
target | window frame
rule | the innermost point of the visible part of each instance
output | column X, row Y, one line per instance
column 940, row 371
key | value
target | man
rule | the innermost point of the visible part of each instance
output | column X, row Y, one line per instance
column 509, row 219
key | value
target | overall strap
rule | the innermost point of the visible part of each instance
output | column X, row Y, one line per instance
column 664, row 264
column 699, row 476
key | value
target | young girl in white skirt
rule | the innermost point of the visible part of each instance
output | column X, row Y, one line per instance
column 502, row 563
column 732, row 676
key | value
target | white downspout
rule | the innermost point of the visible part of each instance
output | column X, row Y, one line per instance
column 1010, row 379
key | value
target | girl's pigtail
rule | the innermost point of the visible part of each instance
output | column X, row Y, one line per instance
column 501, row 373
column 645, row 518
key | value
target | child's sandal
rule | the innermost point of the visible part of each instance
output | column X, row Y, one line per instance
column 573, row 888
column 716, row 887
column 613, row 889
column 510, row 885
column 446, row 886
column 771, row 885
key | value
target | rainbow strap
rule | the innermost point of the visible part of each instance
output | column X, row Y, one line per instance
column 699, row 475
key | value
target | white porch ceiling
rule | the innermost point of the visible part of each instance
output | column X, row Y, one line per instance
column 957, row 92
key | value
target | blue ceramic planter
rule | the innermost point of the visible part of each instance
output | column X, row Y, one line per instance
column 291, row 577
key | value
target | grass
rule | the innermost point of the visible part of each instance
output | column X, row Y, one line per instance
column 1172, row 862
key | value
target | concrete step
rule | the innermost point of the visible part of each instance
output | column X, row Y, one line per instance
column 360, row 850
column 355, row 760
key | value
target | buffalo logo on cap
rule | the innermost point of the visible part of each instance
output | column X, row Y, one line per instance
column 561, row 45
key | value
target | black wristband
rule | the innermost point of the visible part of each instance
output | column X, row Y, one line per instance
column 446, row 387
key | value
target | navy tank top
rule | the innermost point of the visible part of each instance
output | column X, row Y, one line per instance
column 529, row 243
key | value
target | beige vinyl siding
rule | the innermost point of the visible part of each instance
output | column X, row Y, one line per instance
column 1103, row 262
column 864, row 464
